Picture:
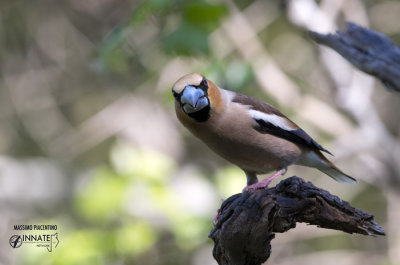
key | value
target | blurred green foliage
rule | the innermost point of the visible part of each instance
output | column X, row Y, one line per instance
column 103, row 199
column 197, row 20
column 110, row 228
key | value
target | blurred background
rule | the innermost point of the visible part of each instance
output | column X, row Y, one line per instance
column 89, row 140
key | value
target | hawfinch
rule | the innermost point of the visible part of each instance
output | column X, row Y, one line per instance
column 247, row 132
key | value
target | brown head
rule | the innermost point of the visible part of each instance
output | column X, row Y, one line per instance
column 196, row 97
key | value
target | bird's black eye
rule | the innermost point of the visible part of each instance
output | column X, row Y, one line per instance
column 177, row 96
column 204, row 85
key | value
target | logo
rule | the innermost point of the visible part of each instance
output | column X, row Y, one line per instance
column 48, row 240
column 15, row 241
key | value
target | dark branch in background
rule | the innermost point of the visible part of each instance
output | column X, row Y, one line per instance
column 247, row 221
column 368, row 50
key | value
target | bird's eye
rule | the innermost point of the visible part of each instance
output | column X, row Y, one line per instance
column 204, row 85
column 177, row 96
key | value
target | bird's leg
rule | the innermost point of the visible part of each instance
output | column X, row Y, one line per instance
column 264, row 184
column 251, row 178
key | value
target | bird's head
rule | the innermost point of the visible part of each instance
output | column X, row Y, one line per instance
column 191, row 94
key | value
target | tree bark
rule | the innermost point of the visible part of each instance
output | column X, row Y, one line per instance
column 368, row 50
column 247, row 221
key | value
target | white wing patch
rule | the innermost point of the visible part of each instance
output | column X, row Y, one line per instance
column 271, row 118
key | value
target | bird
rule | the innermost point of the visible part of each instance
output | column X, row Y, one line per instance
column 247, row 132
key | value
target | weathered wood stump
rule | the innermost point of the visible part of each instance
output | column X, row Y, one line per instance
column 247, row 221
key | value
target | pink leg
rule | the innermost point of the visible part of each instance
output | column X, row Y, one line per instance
column 215, row 219
column 264, row 184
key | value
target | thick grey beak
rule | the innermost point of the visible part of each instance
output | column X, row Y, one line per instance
column 193, row 99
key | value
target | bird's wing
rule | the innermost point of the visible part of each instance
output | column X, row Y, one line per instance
column 270, row 120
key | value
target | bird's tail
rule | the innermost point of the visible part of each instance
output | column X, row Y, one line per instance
column 332, row 171
column 317, row 160
column 337, row 174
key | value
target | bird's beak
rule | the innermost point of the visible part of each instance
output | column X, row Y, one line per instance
column 193, row 99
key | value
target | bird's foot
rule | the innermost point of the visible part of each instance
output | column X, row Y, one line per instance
column 264, row 184
column 260, row 185
column 215, row 218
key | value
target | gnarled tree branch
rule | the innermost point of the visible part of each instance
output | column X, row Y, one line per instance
column 368, row 50
column 247, row 221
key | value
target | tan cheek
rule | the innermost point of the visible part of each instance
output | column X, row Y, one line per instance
column 215, row 99
column 182, row 117
column 178, row 110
